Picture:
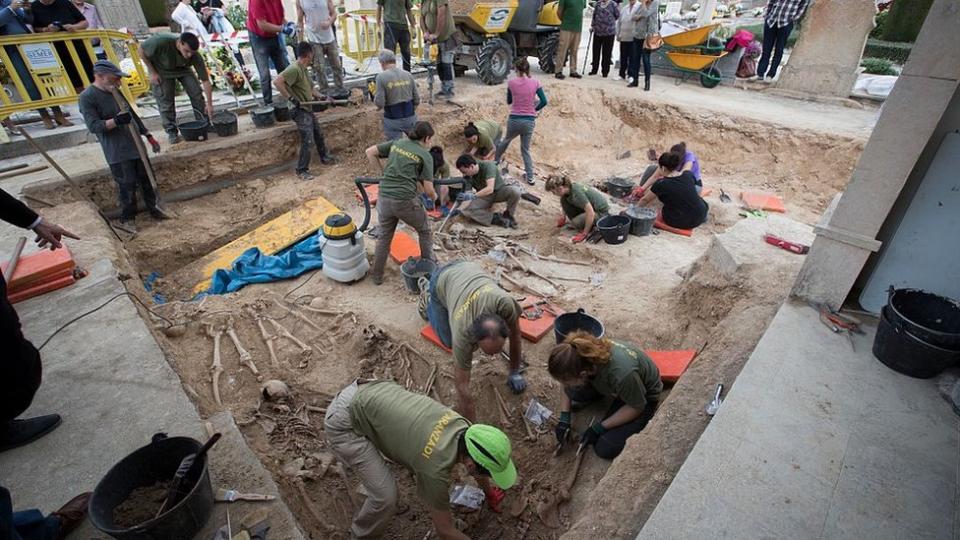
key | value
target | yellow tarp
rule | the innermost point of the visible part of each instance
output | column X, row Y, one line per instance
column 271, row 237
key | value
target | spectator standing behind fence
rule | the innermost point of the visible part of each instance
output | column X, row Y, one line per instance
column 265, row 23
column 213, row 16
column 63, row 16
column 626, row 28
column 647, row 20
column 604, row 26
column 315, row 20
column 90, row 14
column 778, row 22
column 393, row 16
column 169, row 58
column 571, row 23
column 13, row 22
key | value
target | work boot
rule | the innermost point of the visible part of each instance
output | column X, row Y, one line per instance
column 328, row 159
column 17, row 433
column 633, row 83
column 576, row 75
column 646, row 84
column 60, row 118
column 593, row 72
column 511, row 221
column 499, row 221
column 47, row 121
column 159, row 213
column 173, row 138
column 559, row 75
column 445, row 94
column 72, row 514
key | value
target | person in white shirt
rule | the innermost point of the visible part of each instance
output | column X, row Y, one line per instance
column 315, row 20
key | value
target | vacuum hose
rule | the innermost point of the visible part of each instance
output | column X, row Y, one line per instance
column 361, row 181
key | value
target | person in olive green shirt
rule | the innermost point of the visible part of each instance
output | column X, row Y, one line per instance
column 490, row 188
column 469, row 311
column 370, row 418
column 408, row 163
column 294, row 83
column 483, row 136
column 170, row 58
column 437, row 23
column 582, row 205
column 571, row 23
column 394, row 15
column 592, row 368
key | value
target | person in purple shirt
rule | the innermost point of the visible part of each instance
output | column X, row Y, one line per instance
column 688, row 162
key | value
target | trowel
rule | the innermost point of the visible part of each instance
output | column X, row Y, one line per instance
column 714, row 405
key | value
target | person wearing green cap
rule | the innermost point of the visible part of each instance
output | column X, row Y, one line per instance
column 370, row 418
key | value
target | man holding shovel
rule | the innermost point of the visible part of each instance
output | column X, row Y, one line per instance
column 294, row 83
column 103, row 118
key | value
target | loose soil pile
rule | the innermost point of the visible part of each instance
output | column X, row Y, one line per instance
column 656, row 291
column 141, row 506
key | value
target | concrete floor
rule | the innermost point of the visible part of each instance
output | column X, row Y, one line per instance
column 818, row 441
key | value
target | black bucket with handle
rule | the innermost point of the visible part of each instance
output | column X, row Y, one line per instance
column 930, row 317
column 901, row 350
column 145, row 467
column 263, row 116
column 576, row 320
column 225, row 124
column 196, row 130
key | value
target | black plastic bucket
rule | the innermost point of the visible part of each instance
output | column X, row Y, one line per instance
column 415, row 268
column 263, row 116
column 905, row 353
column 619, row 187
column 225, row 124
column 641, row 220
column 155, row 462
column 614, row 229
column 576, row 320
column 931, row 318
column 197, row 130
column 282, row 112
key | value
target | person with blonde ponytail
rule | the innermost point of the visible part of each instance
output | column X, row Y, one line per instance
column 592, row 368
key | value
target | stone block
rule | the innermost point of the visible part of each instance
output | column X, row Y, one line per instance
column 742, row 244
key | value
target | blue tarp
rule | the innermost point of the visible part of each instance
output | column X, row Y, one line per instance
column 255, row 267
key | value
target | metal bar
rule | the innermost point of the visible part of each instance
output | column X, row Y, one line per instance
column 14, row 259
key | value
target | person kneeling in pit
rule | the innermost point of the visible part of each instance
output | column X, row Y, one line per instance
column 583, row 206
column 683, row 208
column 592, row 368
column 482, row 136
column 490, row 188
column 469, row 311
column 370, row 418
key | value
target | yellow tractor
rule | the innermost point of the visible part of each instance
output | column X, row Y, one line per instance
column 491, row 34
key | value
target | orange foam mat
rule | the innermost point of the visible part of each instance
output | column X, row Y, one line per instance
column 40, row 266
column 403, row 247
column 431, row 336
column 45, row 279
column 762, row 201
column 664, row 227
column 373, row 193
column 436, row 213
column 672, row 364
column 40, row 288
column 533, row 330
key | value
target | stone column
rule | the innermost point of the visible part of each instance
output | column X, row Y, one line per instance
column 825, row 59
column 117, row 14
column 847, row 235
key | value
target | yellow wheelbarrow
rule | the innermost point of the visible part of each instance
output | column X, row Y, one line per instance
column 692, row 53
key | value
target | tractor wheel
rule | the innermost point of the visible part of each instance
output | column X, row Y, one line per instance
column 547, row 51
column 493, row 61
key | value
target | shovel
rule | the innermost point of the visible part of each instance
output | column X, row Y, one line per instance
column 714, row 405
column 724, row 198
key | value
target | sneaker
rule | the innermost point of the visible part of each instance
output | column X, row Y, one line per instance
column 424, row 300
column 593, row 72
column 17, row 433
column 530, row 180
column 576, row 75
column 328, row 159
column 560, row 76
column 174, row 138
column 304, row 175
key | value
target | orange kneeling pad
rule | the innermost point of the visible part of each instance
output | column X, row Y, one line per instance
column 39, row 288
column 428, row 334
column 664, row 227
column 762, row 201
column 672, row 364
column 403, row 247
column 533, row 330
column 41, row 266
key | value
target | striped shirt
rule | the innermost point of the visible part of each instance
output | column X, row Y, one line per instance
column 783, row 12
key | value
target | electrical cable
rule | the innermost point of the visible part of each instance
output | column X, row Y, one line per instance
column 101, row 306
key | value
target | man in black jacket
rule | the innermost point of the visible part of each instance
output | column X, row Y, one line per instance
column 20, row 367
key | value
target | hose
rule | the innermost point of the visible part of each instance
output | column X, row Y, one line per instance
column 360, row 181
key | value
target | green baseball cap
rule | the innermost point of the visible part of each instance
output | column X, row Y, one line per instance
column 490, row 448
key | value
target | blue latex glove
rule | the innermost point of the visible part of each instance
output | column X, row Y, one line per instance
column 427, row 203
column 466, row 196
column 455, row 212
column 289, row 28
column 516, row 382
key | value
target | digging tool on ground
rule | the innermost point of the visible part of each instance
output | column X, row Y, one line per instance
column 179, row 486
column 73, row 185
column 14, row 259
column 714, row 405
column 232, row 495
column 456, row 206
column 724, row 198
